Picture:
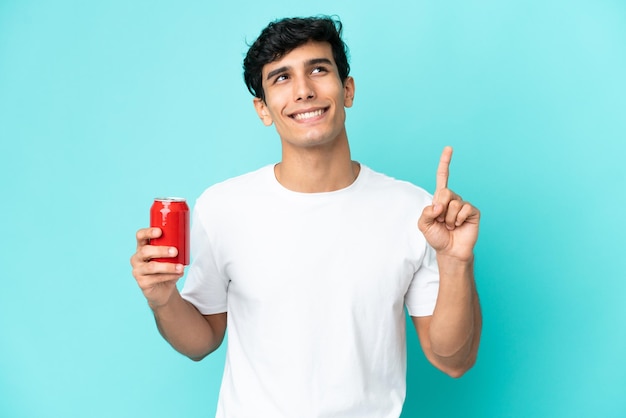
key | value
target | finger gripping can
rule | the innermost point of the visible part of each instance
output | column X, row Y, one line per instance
column 171, row 215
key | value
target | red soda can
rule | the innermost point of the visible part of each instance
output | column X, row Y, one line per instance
column 171, row 214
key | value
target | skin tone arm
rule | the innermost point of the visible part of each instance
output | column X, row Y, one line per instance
column 450, row 337
column 179, row 322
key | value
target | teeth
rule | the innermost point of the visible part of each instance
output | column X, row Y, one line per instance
column 308, row 115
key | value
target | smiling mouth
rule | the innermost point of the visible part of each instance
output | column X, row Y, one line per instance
column 308, row 115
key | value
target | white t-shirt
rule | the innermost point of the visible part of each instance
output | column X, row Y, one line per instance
column 315, row 286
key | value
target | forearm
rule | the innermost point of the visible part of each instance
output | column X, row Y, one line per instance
column 187, row 330
column 456, row 323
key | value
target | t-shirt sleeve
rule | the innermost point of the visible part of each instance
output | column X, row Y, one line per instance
column 205, row 286
column 421, row 297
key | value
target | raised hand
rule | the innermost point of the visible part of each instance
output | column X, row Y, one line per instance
column 450, row 225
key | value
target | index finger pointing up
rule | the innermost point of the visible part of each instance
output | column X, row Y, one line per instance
column 443, row 171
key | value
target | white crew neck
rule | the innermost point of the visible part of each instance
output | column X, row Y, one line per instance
column 270, row 174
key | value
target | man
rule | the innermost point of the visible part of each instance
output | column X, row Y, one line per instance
column 313, row 259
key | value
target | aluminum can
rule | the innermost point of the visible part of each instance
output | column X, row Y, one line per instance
column 171, row 214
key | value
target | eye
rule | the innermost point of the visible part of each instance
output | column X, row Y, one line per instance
column 280, row 77
column 318, row 70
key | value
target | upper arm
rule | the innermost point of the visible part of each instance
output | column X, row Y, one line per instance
column 422, row 326
column 217, row 322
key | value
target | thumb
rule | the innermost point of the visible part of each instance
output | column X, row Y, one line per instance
column 429, row 216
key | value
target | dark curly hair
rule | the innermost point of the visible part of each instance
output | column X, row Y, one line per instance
column 283, row 36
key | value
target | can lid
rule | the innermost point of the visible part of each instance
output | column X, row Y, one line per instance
column 169, row 199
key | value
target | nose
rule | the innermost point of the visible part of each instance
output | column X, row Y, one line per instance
column 303, row 90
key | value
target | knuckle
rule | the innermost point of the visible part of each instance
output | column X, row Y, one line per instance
column 455, row 205
column 152, row 267
column 140, row 278
column 136, row 274
column 451, row 196
column 143, row 234
column 147, row 252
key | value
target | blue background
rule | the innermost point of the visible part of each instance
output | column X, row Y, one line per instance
column 105, row 105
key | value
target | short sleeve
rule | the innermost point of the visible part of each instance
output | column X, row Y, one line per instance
column 421, row 297
column 206, row 287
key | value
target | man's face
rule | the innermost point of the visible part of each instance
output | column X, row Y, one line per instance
column 305, row 98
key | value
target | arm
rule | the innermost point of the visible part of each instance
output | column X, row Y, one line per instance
column 450, row 337
column 179, row 322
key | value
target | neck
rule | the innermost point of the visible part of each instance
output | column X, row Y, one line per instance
column 317, row 170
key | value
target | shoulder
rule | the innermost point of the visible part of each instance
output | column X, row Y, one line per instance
column 394, row 190
column 239, row 184
column 236, row 190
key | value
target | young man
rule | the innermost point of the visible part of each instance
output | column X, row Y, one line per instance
column 313, row 259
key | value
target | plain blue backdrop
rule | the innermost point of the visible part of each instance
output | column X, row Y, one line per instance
column 105, row 105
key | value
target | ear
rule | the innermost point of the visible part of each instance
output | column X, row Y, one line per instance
column 348, row 92
column 262, row 111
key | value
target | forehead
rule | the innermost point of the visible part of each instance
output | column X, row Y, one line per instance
column 301, row 56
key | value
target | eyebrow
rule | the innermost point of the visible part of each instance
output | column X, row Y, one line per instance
column 308, row 63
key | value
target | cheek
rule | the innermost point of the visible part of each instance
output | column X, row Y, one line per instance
column 276, row 105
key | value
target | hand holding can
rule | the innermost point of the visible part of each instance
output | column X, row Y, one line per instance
column 171, row 215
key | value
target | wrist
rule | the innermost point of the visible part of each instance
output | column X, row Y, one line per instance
column 163, row 304
column 452, row 265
